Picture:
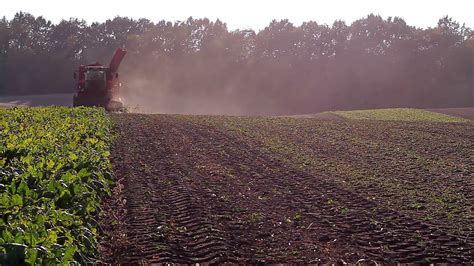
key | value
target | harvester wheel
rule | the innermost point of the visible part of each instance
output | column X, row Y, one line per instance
column 115, row 106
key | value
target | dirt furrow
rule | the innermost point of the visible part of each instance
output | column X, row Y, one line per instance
column 197, row 194
column 381, row 233
column 164, row 222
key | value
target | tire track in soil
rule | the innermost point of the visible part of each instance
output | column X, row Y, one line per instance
column 259, row 243
column 396, row 135
column 163, row 222
column 173, row 216
column 381, row 233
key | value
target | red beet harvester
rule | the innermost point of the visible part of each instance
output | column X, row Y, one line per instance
column 98, row 85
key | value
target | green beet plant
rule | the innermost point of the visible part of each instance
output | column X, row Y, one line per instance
column 54, row 168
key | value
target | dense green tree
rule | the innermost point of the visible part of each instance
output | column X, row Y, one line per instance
column 373, row 62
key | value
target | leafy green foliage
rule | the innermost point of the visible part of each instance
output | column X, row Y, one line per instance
column 54, row 168
column 399, row 114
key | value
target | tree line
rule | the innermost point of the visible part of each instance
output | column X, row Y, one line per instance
column 282, row 69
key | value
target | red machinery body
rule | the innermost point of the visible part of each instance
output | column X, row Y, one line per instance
column 98, row 85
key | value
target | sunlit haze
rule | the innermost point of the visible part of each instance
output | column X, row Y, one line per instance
column 247, row 13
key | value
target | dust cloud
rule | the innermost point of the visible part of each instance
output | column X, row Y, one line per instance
column 155, row 93
column 145, row 96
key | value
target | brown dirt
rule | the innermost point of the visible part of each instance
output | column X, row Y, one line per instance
column 466, row 112
column 195, row 192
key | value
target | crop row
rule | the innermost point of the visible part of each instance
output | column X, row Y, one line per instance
column 54, row 168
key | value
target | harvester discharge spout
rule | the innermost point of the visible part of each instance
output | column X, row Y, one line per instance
column 116, row 60
column 115, row 102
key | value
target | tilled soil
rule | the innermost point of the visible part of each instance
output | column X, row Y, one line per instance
column 190, row 192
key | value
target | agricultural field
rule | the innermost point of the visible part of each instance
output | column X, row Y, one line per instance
column 194, row 189
column 54, row 170
column 80, row 185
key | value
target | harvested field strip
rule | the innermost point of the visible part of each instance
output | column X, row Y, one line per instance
column 165, row 220
column 350, row 212
column 208, row 176
column 54, row 169
column 398, row 114
column 326, row 148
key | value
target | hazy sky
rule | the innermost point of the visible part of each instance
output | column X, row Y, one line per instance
column 241, row 14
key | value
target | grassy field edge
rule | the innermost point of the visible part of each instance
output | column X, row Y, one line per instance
column 398, row 114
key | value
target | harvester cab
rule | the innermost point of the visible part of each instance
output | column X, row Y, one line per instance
column 98, row 85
